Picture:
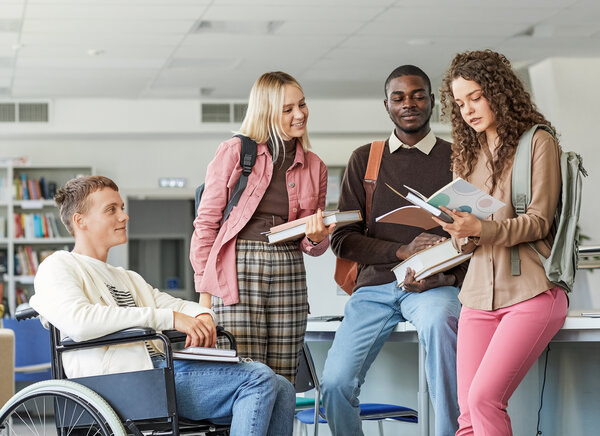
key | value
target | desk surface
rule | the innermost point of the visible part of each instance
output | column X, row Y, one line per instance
column 575, row 329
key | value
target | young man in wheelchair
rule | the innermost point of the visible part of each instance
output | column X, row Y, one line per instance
column 85, row 298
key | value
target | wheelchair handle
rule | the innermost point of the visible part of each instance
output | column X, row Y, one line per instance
column 23, row 314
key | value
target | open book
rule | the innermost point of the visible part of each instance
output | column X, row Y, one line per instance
column 458, row 194
column 296, row 228
column 208, row 354
column 432, row 260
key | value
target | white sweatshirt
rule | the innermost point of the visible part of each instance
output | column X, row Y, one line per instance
column 71, row 293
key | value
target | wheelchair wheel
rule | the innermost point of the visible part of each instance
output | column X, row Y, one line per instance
column 58, row 407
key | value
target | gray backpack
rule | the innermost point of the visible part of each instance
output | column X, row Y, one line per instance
column 561, row 265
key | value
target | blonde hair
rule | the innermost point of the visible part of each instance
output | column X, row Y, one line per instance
column 72, row 198
column 265, row 106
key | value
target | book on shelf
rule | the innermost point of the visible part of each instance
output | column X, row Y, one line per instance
column 435, row 259
column 32, row 189
column 208, row 354
column 458, row 194
column 295, row 229
column 36, row 225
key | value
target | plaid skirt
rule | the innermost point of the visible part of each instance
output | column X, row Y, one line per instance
column 269, row 321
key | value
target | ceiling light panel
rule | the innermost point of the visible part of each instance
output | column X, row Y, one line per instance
column 462, row 16
column 413, row 29
column 108, row 51
column 108, row 12
column 90, row 63
column 314, row 28
column 290, row 13
column 487, row 4
column 120, row 2
column 106, row 27
column 101, row 39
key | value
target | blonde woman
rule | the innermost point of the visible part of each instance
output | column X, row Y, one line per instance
column 258, row 290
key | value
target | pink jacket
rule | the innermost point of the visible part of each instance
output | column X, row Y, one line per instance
column 212, row 250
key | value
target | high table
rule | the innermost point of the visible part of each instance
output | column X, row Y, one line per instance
column 575, row 329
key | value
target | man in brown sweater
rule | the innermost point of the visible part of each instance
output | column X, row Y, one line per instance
column 412, row 156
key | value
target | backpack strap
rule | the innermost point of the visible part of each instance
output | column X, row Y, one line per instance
column 370, row 179
column 247, row 159
column 521, row 185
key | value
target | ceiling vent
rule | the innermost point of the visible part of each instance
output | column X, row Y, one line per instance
column 8, row 112
column 237, row 27
column 223, row 112
column 24, row 112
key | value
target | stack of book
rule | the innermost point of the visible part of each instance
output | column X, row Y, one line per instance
column 297, row 228
column 435, row 259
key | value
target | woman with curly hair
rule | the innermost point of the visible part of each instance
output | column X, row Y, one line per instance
column 506, row 320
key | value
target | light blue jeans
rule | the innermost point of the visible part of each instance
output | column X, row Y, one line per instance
column 369, row 317
column 247, row 395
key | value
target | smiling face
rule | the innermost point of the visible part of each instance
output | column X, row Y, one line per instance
column 294, row 113
column 105, row 221
column 474, row 107
column 409, row 104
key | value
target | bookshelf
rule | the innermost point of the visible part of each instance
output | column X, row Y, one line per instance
column 30, row 227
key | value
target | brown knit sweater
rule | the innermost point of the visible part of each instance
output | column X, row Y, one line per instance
column 376, row 252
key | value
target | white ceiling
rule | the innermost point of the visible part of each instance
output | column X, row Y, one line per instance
column 335, row 48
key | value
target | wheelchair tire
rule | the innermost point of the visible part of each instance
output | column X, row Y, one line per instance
column 59, row 407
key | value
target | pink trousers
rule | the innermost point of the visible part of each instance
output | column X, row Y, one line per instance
column 495, row 349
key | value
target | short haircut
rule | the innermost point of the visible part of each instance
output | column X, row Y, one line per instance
column 407, row 70
column 72, row 198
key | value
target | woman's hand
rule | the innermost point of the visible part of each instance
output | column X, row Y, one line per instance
column 465, row 224
column 200, row 331
column 316, row 230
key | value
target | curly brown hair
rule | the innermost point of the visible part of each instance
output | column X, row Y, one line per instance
column 508, row 100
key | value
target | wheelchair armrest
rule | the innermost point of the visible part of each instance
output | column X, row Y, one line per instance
column 27, row 313
column 127, row 335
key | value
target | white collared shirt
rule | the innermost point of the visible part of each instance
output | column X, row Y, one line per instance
column 424, row 145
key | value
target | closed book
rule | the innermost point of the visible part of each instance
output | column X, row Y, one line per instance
column 295, row 229
column 207, row 354
column 438, row 258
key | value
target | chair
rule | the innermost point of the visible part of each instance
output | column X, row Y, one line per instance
column 368, row 411
column 32, row 349
column 306, row 380
column 109, row 403
column 7, row 365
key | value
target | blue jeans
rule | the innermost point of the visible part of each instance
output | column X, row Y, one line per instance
column 369, row 317
column 247, row 395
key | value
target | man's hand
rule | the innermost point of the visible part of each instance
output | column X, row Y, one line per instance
column 316, row 230
column 200, row 331
column 434, row 281
column 421, row 242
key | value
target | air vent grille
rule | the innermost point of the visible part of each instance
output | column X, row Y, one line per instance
column 8, row 112
column 239, row 112
column 24, row 112
column 223, row 112
column 33, row 112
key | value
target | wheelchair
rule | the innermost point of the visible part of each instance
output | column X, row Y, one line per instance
column 139, row 403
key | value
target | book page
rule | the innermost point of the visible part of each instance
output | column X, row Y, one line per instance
column 463, row 196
